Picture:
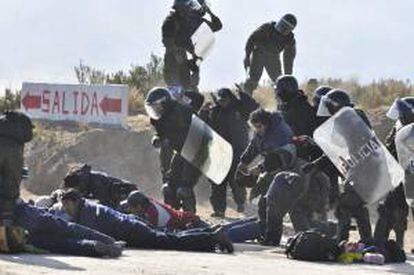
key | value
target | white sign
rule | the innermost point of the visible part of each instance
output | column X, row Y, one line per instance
column 106, row 104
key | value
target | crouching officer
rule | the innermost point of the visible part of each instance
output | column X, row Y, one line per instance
column 393, row 211
column 350, row 204
column 172, row 121
column 263, row 50
column 16, row 129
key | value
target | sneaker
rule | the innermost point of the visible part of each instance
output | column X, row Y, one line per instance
column 109, row 250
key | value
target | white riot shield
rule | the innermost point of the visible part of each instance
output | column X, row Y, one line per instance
column 203, row 40
column 404, row 141
column 207, row 151
column 359, row 155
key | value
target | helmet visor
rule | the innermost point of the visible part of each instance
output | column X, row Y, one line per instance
column 400, row 109
column 194, row 5
column 323, row 110
column 284, row 27
column 154, row 110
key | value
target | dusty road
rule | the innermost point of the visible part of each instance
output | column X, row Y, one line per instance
column 248, row 259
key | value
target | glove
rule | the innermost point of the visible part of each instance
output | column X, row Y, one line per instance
column 246, row 62
column 308, row 167
column 156, row 142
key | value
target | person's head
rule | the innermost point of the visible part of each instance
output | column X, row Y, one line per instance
column 157, row 101
column 21, row 121
column 260, row 121
column 402, row 110
column 224, row 97
column 286, row 24
column 12, row 239
column 319, row 93
column 136, row 203
column 71, row 202
column 78, row 178
column 286, row 88
column 333, row 101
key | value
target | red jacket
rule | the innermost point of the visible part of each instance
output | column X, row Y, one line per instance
column 163, row 216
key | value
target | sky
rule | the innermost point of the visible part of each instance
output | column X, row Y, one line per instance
column 43, row 40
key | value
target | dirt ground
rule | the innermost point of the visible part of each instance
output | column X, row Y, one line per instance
column 248, row 259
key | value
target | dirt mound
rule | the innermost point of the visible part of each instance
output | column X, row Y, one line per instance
column 122, row 153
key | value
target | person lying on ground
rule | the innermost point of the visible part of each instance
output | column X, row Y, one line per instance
column 49, row 232
column 164, row 218
column 98, row 185
column 135, row 232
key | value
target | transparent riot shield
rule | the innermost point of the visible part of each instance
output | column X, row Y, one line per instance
column 207, row 151
column 359, row 155
column 203, row 40
column 404, row 141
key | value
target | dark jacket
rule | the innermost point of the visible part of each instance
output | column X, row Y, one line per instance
column 300, row 115
column 230, row 124
column 38, row 221
column 177, row 30
column 277, row 135
column 268, row 40
column 174, row 124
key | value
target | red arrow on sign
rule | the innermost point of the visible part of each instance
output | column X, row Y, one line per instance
column 112, row 105
column 31, row 101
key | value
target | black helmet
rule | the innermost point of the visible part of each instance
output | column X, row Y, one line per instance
column 135, row 198
column 286, row 24
column 156, row 102
column 333, row 101
column 403, row 110
column 194, row 5
column 287, row 87
column 319, row 93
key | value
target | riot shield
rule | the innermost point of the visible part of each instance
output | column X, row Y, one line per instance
column 359, row 155
column 207, row 151
column 203, row 40
column 404, row 141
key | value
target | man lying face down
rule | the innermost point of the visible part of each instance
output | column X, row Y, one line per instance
column 49, row 232
column 164, row 218
column 135, row 232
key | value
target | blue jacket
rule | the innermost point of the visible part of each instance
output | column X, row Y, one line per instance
column 38, row 221
column 118, row 225
column 278, row 134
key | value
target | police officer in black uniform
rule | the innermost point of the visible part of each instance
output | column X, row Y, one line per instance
column 229, row 119
column 177, row 30
column 172, row 121
column 263, row 49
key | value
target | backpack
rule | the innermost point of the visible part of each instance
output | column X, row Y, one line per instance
column 312, row 246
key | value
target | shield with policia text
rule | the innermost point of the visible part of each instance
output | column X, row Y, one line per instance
column 207, row 151
column 359, row 155
column 203, row 40
column 404, row 142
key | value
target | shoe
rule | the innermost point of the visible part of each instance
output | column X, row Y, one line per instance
column 240, row 208
column 217, row 214
column 109, row 250
column 223, row 241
